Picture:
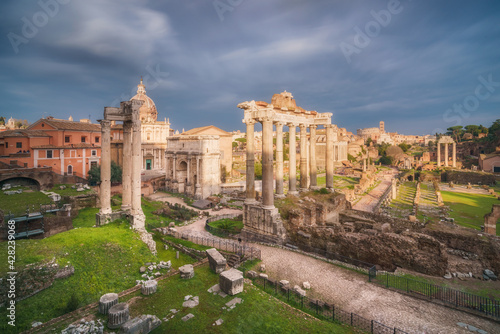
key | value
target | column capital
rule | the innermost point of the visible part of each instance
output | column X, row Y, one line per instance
column 105, row 123
column 291, row 125
column 328, row 126
column 302, row 127
column 313, row 127
column 127, row 126
column 266, row 119
column 280, row 124
column 249, row 121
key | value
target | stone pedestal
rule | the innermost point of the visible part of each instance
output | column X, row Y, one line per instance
column 149, row 287
column 107, row 301
column 141, row 325
column 263, row 224
column 231, row 281
column 216, row 261
column 186, row 271
column 118, row 315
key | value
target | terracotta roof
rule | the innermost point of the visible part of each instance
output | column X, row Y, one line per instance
column 23, row 133
column 489, row 156
column 62, row 124
column 199, row 130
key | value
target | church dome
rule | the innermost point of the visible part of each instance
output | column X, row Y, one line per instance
column 148, row 112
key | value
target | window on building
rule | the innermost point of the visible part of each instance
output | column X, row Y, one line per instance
column 49, row 154
column 84, row 139
column 67, row 139
column 19, row 144
column 97, row 139
column 93, row 163
column 6, row 144
column 94, row 153
column 70, row 170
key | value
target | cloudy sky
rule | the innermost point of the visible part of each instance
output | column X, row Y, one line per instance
column 421, row 66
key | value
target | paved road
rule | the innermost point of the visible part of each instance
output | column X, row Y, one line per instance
column 368, row 202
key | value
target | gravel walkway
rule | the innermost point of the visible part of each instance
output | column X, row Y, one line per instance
column 353, row 293
column 369, row 201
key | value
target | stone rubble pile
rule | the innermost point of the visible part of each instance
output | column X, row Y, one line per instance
column 90, row 327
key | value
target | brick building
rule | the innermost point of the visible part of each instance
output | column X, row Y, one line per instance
column 68, row 147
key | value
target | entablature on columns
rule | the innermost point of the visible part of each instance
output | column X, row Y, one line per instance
column 128, row 111
column 252, row 112
column 446, row 140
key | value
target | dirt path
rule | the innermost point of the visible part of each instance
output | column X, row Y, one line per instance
column 352, row 292
column 197, row 227
column 368, row 202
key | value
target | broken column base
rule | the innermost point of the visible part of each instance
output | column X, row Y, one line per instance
column 262, row 224
column 106, row 218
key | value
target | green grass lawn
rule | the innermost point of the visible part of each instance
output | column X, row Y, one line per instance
column 258, row 313
column 18, row 203
column 469, row 209
column 339, row 182
column 226, row 226
column 69, row 191
column 106, row 259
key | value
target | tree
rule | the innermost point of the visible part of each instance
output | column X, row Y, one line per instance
column 404, row 146
column 494, row 129
column 473, row 129
column 369, row 141
column 385, row 160
column 456, row 131
column 431, row 144
column 2, row 120
column 235, row 144
column 94, row 174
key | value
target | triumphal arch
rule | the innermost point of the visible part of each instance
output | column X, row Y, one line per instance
column 129, row 114
column 262, row 219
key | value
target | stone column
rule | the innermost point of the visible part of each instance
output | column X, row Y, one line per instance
column 250, row 162
column 105, row 167
column 127, row 166
column 188, row 170
column 267, row 163
column 292, row 188
column 279, row 160
column 303, row 157
column 174, row 168
column 329, row 156
column 312, row 151
column 364, row 164
column 454, row 155
column 136, row 169
column 439, row 154
column 446, row 154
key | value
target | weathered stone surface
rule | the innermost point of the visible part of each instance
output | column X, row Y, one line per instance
column 263, row 276
column 216, row 261
column 118, row 315
column 149, row 287
column 231, row 281
column 490, row 274
column 107, row 301
column 306, row 285
column 252, row 274
column 299, row 291
column 186, row 271
column 218, row 322
column 187, row 317
column 65, row 272
column 141, row 325
column 284, row 283
column 191, row 302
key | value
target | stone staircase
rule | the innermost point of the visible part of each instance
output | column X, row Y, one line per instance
column 233, row 261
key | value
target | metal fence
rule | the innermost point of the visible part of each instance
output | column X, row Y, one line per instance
column 236, row 247
column 456, row 298
column 321, row 309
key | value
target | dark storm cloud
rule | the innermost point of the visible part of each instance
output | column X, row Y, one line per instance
column 199, row 60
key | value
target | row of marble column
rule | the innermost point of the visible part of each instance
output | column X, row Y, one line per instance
column 267, row 159
column 131, row 172
column 454, row 154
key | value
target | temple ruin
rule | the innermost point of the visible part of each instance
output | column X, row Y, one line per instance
column 263, row 218
column 128, row 113
column 446, row 140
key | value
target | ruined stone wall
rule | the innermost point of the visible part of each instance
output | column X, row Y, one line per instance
column 463, row 177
